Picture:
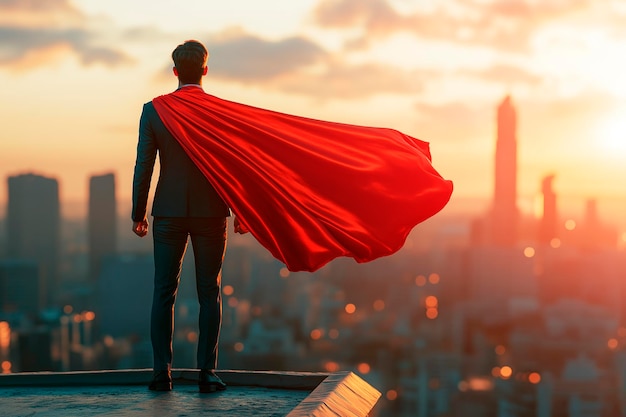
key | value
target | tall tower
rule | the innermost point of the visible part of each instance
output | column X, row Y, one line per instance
column 102, row 219
column 548, row 226
column 33, row 228
column 505, row 215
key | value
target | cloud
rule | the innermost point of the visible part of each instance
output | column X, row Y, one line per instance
column 33, row 32
column 505, row 74
column 39, row 6
column 18, row 46
column 498, row 24
column 339, row 80
column 248, row 58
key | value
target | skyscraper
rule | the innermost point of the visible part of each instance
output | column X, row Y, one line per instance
column 102, row 219
column 33, row 227
column 505, row 215
column 548, row 228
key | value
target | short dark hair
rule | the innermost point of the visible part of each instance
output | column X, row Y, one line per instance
column 190, row 60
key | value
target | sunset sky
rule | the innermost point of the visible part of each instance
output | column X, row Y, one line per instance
column 74, row 75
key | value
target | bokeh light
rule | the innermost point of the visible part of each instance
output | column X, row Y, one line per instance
column 420, row 280
column 392, row 395
column 534, row 378
column 434, row 278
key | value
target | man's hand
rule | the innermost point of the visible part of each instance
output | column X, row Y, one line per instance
column 140, row 228
column 239, row 228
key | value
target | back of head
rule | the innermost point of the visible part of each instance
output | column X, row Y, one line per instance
column 190, row 60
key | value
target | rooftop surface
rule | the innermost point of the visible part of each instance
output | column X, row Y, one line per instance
column 125, row 393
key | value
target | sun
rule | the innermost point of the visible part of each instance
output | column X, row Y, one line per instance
column 611, row 135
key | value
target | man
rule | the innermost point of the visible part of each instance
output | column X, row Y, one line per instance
column 185, row 204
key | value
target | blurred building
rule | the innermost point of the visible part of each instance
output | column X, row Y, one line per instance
column 19, row 287
column 548, row 227
column 594, row 234
column 124, row 296
column 505, row 215
column 33, row 227
column 102, row 221
column 500, row 227
column 3, row 243
column 501, row 281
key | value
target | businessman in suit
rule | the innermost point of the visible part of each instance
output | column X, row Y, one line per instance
column 185, row 205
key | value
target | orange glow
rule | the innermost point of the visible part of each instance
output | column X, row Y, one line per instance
column 331, row 366
column 316, row 334
column 612, row 344
column 555, row 243
column 108, row 341
column 480, row 383
column 534, row 378
column 529, row 252
column 192, row 337
column 420, row 280
column 570, row 224
column 238, row 347
column 333, row 333
column 284, row 273
column 90, row 315
column 350, row 308
column 495, row 371
column 68, row 309
column 500, row 350
column 432, row 313
column 77, row 318
column 228, row 290
column 233, row 302
column 506, row 372
column 431, row 301
column 379, row 305
column 433, row 278
column 5, row 335
column 6, row 367
column 392, row 395
column 364, row 368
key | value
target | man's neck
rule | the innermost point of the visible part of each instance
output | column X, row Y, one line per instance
column 181, row 85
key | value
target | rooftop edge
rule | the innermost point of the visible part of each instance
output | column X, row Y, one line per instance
column 331, row 394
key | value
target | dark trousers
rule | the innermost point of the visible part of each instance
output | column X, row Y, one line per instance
column 208, row 238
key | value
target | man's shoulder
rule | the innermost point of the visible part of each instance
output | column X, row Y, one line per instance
column 148, row 108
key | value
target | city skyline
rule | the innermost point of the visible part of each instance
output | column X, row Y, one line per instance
column 435, row 72
column 457, row 321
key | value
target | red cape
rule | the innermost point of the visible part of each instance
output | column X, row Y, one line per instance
column 308, row 190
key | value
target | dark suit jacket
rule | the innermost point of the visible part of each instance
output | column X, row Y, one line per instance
column 182, row 190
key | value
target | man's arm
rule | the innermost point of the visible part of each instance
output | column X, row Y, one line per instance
column 144, row 165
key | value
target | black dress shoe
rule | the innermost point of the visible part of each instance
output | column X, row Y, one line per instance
column 209, row 382
column 161, row 381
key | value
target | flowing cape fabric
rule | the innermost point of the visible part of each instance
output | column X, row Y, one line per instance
column 308, row 190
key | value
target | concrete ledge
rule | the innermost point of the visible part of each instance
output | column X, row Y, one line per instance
column 341, row 394
column 330, row 395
